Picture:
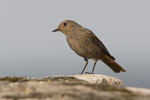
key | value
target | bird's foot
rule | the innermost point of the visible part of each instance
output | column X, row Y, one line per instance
column 80, row 73
column 89, row 73
column 86, row 73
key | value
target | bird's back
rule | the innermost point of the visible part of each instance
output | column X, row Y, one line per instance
column 86, row 44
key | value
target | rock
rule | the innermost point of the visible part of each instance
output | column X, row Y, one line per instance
column 142, row 91
column 76, row 87
column 101, row 79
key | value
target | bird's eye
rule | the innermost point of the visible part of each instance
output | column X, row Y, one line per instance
column 65, row 24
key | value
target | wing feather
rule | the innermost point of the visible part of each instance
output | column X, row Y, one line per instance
column 93, row 38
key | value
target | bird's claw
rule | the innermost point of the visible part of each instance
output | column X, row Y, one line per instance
column 80, row 73
column 86, row 73
column 89, row 73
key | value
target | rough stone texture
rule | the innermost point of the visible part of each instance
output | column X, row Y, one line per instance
column 77, row 87
column 100, row 79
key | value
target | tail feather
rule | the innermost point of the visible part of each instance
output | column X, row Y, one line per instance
column 112, row 64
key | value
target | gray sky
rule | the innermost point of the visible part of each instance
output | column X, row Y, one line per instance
column 29, row 48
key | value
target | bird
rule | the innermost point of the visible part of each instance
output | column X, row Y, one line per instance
column 87, row 45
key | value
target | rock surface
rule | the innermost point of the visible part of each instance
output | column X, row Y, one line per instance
column 76, row 87
column 101, row 79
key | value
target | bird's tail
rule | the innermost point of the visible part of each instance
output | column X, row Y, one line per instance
column 112, row 64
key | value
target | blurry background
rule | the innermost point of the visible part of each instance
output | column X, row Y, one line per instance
column 29, row 48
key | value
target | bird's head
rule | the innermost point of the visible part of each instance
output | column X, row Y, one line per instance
column 66, row 26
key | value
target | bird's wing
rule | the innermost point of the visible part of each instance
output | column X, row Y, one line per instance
column 90, row 35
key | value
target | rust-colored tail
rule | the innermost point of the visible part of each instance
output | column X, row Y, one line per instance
column 112, row 64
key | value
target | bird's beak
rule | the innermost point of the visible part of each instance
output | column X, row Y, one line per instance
column 55, row 30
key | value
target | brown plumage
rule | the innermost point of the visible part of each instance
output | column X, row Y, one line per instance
column 85, row 43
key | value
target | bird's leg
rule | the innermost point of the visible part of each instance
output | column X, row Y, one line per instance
column 95, row 61
column 86, row 63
